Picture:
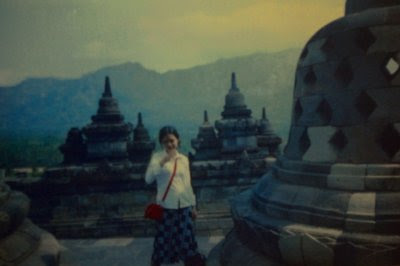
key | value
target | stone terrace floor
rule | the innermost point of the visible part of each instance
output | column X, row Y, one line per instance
column 118, row 251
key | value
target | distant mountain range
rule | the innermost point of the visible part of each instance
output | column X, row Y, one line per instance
column 179, row 97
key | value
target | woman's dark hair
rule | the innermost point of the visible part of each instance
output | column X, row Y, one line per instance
column 164, row 131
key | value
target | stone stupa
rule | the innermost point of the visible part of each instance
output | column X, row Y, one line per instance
column 333, row 198
column 206, row 144
column 237, row 129
column 141, row 147
column 266, row 137
column 108, row 135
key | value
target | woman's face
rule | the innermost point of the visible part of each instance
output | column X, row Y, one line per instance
column 170, row 142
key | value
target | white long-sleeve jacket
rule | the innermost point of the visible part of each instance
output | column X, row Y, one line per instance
column 180, row 194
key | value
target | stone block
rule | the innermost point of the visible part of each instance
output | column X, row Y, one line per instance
column 387, row 211
column 138, row 198
column 315, row 252
column 355, row 183
column 207, row 194
column 361, row 212
column 347, row 176
column 348, row 169
column 303, row 204
column 302, row 178
column 332, row 207
column 382, row 183
column 236, row 253
column 290, row 248
column 277, row 191
column 383, row 170
column 363, row 147
column 320, row 149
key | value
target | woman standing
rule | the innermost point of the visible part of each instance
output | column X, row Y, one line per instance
column 175, row 238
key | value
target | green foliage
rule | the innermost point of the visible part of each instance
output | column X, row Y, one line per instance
column 34, row 151
column 39, row 150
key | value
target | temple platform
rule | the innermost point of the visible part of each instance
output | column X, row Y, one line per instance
column 123, row 251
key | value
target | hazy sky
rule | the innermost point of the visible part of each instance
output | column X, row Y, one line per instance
column 67, row 38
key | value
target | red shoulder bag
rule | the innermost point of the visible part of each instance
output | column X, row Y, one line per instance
column 155, row 211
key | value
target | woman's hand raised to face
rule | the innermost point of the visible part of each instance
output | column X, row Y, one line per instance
column 170, row 143
column 169, row 157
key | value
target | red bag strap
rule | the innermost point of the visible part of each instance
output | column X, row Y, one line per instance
column 170, row 181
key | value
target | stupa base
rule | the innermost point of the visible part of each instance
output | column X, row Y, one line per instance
column 258, row 239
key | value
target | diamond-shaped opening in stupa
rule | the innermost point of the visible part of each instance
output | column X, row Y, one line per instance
column 365, row 105
column 298, row 110
column 338, row 140
column 324, row 111
column 304, row 142
column 304, row 53
column 392, row 66
column 310, row 78
column 365, row 39
column 328, row 46
column 390, row 140
column 344, row 73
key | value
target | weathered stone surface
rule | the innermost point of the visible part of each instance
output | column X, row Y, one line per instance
column 119, row 251
column 89, row 205
column 333, row 197
column 242, row 255
column 21, row 242
column 320, row 147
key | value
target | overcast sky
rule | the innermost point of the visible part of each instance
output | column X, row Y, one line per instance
column 66, row 38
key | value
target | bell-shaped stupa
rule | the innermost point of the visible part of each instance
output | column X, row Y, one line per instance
column 266, row 137
column 74, row 148
column 142, row 146
column 107, row 136
column 237, row 129
column 235, row 106
column 206, row 144
column 334, row 196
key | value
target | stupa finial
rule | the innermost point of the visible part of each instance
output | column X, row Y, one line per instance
column 205, row 116
column 140, row 121
column 107, row 88
column 233, row 81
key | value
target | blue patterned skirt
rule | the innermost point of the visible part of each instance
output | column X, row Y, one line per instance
column 175, row 238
